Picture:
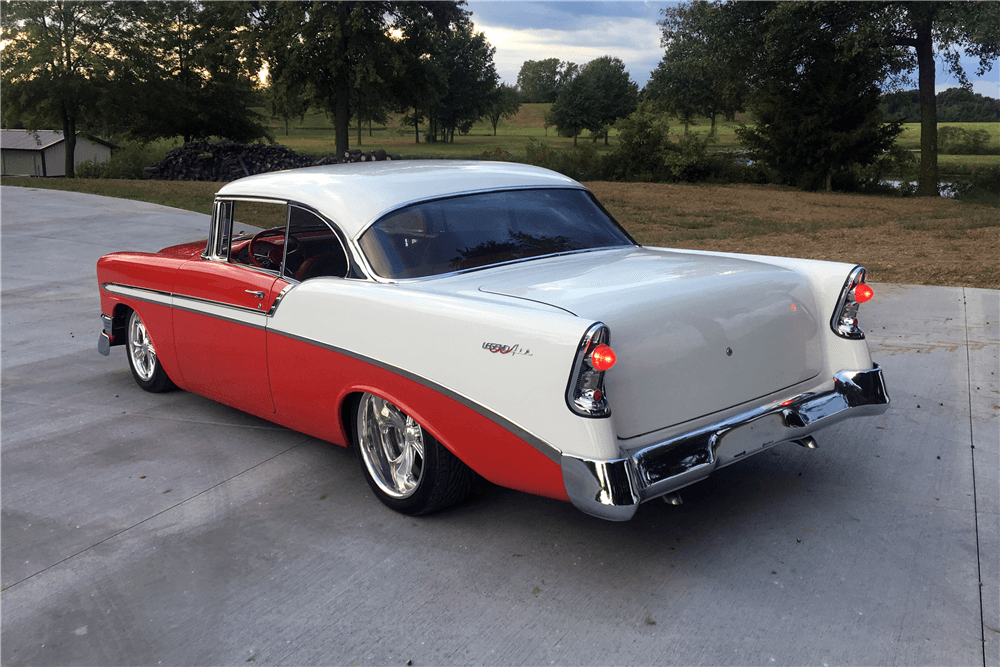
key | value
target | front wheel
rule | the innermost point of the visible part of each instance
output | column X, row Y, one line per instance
column 406, row 468
column 146, row 368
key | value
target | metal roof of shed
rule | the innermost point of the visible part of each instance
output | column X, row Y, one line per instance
column 37, row 140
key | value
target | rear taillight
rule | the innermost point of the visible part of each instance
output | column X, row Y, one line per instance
column 845, row 317
column 585, row 393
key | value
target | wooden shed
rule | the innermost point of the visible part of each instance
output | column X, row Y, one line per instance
column 43, row 152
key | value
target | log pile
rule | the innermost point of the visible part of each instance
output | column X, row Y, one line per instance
column 228, row 160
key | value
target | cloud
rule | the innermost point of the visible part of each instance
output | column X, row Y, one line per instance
column 636, row 41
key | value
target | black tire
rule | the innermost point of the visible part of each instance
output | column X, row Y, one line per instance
column 142, row 359
column 427, row 479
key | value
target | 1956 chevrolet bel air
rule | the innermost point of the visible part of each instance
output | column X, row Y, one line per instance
column 450, row 319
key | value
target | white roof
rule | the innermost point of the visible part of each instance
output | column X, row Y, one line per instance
column 355, row 195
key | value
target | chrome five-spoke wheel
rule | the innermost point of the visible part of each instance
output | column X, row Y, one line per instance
column 404, row 465
column 146, row 368
column 392, row 446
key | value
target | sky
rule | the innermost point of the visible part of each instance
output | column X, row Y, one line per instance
column 581, row 31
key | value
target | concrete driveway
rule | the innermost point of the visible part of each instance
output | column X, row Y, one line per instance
column 142, row 529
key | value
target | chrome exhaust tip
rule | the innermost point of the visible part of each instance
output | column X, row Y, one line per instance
column 672, row 498
column 808, row 442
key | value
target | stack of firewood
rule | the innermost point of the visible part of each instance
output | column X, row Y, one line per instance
column 229, row 160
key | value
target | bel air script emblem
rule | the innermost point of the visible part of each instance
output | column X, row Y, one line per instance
column 498, row 348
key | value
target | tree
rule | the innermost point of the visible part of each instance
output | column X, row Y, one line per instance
column 194, row 75
column 465, row 59
column 822, row 118
column 504, row 103
column 615, row 94
column 541, row 80
column 336, row 49
column 955, row 27
column 684, row 85
column 818, row 110
column 575, row 109
column 742, row 38
column 59, row 58
column 286, row 102
column 599, row 95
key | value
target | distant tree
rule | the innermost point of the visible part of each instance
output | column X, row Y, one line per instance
column 958, row 105
column 504, row 102
column 598, row 96
column 955, row 105
column 685, row 86
column 466, row 62
column 59, row 59
column 710, row 58
column 541, row 80
column 338, row 48
column 575, row 110
column 286, row 102
column 194, row 75
column 615, row 94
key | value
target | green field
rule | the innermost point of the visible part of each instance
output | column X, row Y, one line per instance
column 313, row 135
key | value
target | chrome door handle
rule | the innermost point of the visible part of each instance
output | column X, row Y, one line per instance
column 259, row 295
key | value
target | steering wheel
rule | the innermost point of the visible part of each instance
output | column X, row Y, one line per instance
column 266, row 254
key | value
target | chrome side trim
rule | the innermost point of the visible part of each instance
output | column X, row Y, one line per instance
column 281, row 295
column 598, row 487
column 223, row 311
column 141, row 293
column 549, row 450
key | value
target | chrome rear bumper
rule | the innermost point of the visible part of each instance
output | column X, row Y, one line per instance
column 613, row 489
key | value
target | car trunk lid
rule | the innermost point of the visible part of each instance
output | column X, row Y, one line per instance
column 694, row 334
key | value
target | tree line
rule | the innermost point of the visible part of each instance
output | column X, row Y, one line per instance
column 809, row 75
column 156, row 70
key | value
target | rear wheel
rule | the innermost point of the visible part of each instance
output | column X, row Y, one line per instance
column 404, row 465
column 146, row 368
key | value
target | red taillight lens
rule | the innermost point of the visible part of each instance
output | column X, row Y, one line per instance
column 863, row 293
column 602, row 358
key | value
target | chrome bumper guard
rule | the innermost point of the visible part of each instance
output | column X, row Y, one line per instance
column 613, row 489
column 106, row 337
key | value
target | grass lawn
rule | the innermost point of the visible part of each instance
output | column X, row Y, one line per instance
column 929, row 241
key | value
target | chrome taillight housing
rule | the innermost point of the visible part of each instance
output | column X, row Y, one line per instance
column 845, row 317
column 585, row 393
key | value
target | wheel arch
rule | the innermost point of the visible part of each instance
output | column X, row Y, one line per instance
column 491, row 450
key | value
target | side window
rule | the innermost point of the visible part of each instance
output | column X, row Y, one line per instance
column 257, row 233
column 313, row 249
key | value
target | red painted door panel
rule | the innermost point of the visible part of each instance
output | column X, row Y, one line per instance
column 219, row 332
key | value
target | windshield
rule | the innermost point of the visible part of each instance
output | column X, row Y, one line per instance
column 470, row 231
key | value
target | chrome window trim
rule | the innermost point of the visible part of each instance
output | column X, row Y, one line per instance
column 356, row 241
column 467, row 193
column 351, row 253
column 404, row 281
column 334, row 228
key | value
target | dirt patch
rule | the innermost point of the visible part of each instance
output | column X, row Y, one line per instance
column 916, row 241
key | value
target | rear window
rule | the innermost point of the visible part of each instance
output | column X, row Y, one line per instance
column 471, row 231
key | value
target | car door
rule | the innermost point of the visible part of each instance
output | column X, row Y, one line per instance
column 220, row 306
